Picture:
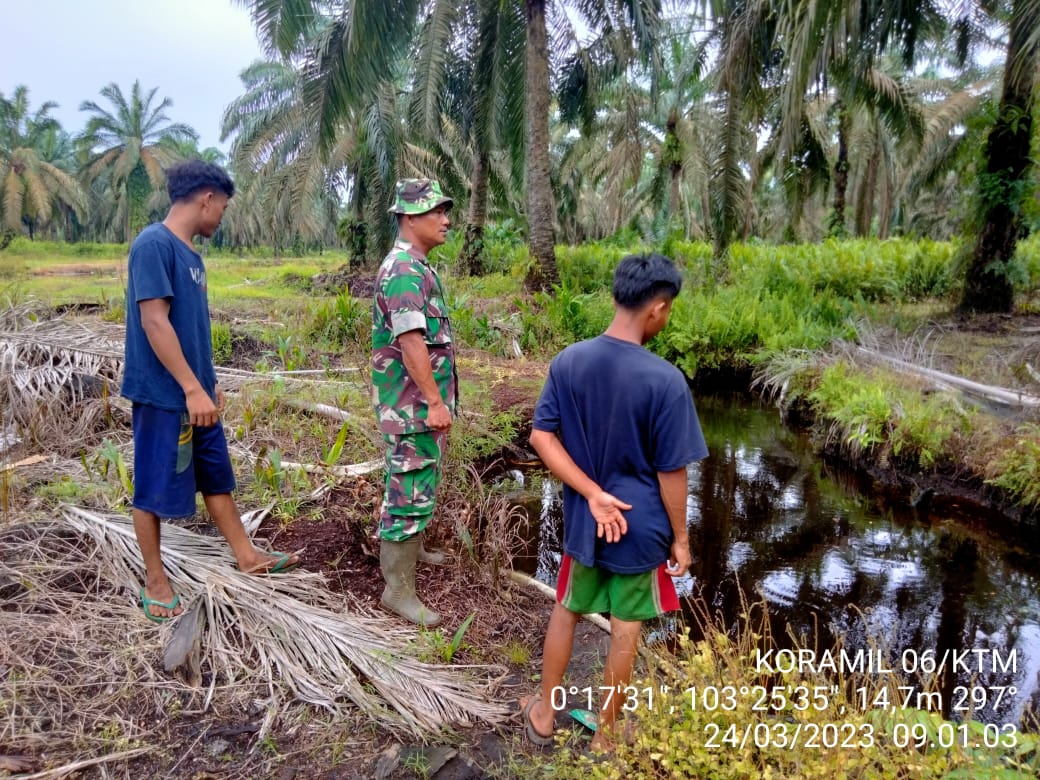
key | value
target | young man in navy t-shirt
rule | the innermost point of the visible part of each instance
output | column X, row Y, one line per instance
column 179, row 444
column 617, row 425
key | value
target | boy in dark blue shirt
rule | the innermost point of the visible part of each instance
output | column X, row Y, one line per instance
column 617, row 425
column 179, row 444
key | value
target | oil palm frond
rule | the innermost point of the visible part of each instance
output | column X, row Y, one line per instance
column 297, row 637
column 51, row 367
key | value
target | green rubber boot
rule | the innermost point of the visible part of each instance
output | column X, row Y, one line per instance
column 432, row 557
column 397, row 561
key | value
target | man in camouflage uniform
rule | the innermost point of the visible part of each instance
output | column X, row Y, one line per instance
column 414, row 389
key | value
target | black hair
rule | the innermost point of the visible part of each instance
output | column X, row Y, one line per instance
column 185, row 179
column 639, row 279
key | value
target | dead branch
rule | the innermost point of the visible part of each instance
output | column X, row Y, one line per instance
column 1011, row 398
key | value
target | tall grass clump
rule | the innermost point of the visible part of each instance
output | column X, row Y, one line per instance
column 1027, row 256
column 563, row 317
column 502, row 250
column 737, row 326
column 590, row 268
column 220, row 336
column 765, row 300
column 890, row 271
column 695, row 259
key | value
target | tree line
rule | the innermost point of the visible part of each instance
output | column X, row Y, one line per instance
column 582, row 120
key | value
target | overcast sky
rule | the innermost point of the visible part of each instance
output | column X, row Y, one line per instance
column 67, row 50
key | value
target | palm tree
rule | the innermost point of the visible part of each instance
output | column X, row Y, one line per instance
column 1005, row 178
column 745, row 30
column 32, row 182
column 127, row 148
column 681, row 119
column 291, row 184
column 540, row 233
column 467, row 101
column 930, row 184
column 360, row 45
column 464, row 77
column 839, row 49
column 624, row 32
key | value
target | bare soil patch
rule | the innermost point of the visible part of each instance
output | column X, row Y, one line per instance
column 78, row 269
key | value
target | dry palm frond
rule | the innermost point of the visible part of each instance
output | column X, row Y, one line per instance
column 775, row 376
column 293, row 633
column 57, row 374
column 59, row 378
column 18, row 315
column 58, row 670
column 77, row 673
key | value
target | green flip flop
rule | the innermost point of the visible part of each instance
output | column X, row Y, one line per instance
column 147, row 602
column 586, row 718
column 283, row 564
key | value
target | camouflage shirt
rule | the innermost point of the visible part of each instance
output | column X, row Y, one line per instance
column 407, row 297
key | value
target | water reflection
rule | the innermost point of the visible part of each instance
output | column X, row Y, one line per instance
column 769, row 520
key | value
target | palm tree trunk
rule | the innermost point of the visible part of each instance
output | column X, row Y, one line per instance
column 357, row 229
column 473, row 240
column 673, row 158
column 887, row 206
column 841, row 172
column 867, row 190
column 727, row 180
column 987, row 286
column 138, row 188
column 540, row 240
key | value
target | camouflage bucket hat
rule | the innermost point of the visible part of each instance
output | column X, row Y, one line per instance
column 417, row 196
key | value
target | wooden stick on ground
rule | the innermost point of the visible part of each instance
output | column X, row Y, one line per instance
column 531, row 582
column 1012, row 398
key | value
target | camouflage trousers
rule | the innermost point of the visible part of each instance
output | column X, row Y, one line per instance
column 413, row 471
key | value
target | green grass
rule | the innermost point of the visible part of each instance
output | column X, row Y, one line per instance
column 50, row 272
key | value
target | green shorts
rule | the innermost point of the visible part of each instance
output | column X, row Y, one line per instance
column 629, row 597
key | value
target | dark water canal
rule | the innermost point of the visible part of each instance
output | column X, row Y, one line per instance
column 834, row 559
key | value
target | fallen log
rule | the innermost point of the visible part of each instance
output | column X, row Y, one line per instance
column 332, row 412
column 531, row 582
column 353, row 470
column 1001, row 395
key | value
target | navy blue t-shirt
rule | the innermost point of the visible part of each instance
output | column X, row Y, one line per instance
column 163, row 266
column 623, row 414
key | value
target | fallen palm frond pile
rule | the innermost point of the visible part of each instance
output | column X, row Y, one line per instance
column 60, row 379
column 57, row 374
column 78, row 661
column 75, row 675
column 293, row 633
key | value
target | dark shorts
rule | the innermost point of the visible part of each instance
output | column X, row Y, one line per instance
column 631, row 597
column 174, row 460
